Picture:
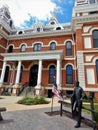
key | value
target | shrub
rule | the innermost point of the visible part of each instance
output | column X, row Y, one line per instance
column 33, row 101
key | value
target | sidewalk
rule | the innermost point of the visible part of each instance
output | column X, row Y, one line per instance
column 22, row 117
column 10, row 102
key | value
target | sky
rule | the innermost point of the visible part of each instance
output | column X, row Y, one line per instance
column 25, row 13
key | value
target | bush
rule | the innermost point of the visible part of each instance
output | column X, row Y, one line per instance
column 33, row 101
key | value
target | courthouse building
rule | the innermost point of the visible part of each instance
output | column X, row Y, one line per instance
column 31, row 57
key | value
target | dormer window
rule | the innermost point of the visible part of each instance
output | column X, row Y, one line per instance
column 20, row 32
column 58, row 28
column 38, row 29
column 52, row 23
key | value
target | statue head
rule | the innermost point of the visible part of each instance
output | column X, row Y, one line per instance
column 77, row 83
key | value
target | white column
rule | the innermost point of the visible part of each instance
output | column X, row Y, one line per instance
column 18, row 72
column 3, row 72
column 58, row 78
column 39, row 74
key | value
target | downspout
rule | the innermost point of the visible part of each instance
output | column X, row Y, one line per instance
column 75, row 57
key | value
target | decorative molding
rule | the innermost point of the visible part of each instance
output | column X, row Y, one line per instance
column 41, row 34
column 86, row 8
column 45, row 55
column 85, row 19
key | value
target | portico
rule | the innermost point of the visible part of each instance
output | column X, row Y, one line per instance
column 32, row 56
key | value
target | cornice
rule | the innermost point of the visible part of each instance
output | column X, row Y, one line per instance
column 84, row 19
column 40, row 34
column 88, row 51
column 3, row 34
column 5, row 25
column 44, row 55
column 86, row 8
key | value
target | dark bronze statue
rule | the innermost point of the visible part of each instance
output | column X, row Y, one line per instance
column 76, row 103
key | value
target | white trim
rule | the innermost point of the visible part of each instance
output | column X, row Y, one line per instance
column 22, row 44
column 36, row 43
column 52, row 41
column 51, row 65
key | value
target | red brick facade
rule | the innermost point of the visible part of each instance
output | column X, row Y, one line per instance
column 81, row 59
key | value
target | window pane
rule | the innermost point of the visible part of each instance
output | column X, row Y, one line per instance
column 51, row 73
column 97, row 69
column 69, row 74
column 68, row 48
column 6, row 74
column 10, row 49
column 37, row 47
column 21, row 74
column 53, row 46
column 95, row 38
column 38, row 29
column 23, row 48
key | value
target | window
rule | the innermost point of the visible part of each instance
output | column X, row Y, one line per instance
column 6, row 74
column 68, row 48
column 97, row 69
column 58, row 28
column 95, row 38
column 38, row 29
column 53, row 46
column 21, row 74
column 92, row 1
column 52, row 23
column 69, row 74
column 20, row 32
column 10, row 49
column 23, row 48
column 51, row 73
column 93, row 12
column 37, row 47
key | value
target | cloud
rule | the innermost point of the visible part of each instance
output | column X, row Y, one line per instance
column 23, row 10
column 27, row 12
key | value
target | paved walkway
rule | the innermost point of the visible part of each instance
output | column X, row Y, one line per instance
column 22, row 117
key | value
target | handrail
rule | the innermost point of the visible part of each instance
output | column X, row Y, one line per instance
column 22, row 87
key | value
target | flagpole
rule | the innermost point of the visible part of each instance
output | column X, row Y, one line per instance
column 52, row 104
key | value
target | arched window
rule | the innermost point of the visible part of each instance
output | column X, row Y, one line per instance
column 58, row 28
column 21, row 74
column 52, row 72
column 37, row 47
column 53, row 46
column 20, row 32
column 10, row 49
column 6, row 74
column 97, row 69
column 23, row 48
column 68, row 48
column 38, row 29
column 69, row 74
column 95, row 38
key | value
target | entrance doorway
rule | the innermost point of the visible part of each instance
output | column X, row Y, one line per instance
column 33, row 75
